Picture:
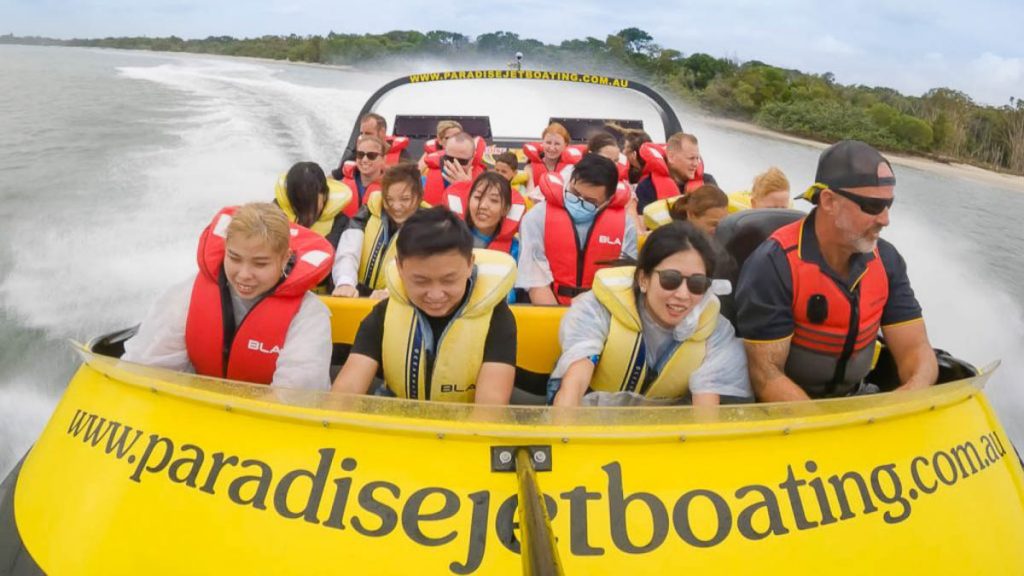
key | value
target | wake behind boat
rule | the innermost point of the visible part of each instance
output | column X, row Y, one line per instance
column 147, row 470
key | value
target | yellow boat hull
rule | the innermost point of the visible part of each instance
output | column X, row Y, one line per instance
column 145, row 471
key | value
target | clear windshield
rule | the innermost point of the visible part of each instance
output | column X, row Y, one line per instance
column 675, row 423
column 520, row 109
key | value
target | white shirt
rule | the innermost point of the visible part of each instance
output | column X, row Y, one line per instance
column 304, row 361
column 534, row 268
column 346, row 257
column 584, row 331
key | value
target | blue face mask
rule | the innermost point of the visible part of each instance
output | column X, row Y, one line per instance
column 581, row 211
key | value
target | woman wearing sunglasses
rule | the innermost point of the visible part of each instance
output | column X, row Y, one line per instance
column 363, row 175
column 651, row 333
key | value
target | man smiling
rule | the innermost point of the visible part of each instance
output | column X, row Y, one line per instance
column 445, row 332
column 812, row 298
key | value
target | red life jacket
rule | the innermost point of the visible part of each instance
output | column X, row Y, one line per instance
column 656, row 168
column 534, row 152
column 433, row 189
column 573, row 269
column 847, row 323
column 251, row 355
column 349, row 174
column 396, row 144
column 457, row 200
column 623, row 165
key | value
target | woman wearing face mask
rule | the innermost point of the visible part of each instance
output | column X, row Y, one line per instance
column 369, row 242
column 651, row 333
column 551, row 154
column 253, row 266
column 491, row 210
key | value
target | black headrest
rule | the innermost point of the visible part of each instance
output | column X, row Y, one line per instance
column 742, row 232
column 581, row 129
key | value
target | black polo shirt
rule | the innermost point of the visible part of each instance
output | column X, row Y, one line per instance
column 764, row 293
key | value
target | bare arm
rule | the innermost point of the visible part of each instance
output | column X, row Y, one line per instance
column 705, row 399
column 915, row 359
column 542, row 295
column 575, row 383
column 494, row 383
column 356, row 375
column 766, row 362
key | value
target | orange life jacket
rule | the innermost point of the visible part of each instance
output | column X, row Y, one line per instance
column 534, row 152
column 248, row 353
column 396, row 144
column 656, row 168
column 835, row 328
column 573, row 268
column 433, row 188
column 349, row 173
column 457, row 200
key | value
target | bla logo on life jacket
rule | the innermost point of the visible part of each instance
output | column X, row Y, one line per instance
column 261, row 347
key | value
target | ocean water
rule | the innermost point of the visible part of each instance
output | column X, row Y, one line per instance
column 112, row 162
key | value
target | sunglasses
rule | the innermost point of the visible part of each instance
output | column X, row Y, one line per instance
column 371, row 156
column 463, row 161
column 673, row 279
column 872, row 206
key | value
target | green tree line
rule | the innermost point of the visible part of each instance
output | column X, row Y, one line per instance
column 943, row 123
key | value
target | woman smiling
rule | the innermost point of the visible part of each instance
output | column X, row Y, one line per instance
column 248, row 314
column 651, row 333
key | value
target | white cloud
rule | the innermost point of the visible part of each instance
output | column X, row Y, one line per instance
column 999, row 70
column 829, row 44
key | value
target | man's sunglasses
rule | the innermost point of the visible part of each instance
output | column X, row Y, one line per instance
column 673, row 279
column 463, row 161
column 371, row 156
column 872, row 206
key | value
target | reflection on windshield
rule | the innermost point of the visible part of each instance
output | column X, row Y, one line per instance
column 529, row 421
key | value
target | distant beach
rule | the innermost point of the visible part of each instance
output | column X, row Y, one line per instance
column 967, row 171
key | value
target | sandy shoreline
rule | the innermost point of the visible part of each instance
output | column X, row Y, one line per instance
column 957, row 170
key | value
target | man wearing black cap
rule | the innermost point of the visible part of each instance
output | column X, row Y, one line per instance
column 812, row 298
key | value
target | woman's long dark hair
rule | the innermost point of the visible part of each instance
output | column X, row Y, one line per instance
column 304, row 184
column 677, row 236
column 486, row 180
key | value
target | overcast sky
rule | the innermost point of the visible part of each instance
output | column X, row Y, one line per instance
column 911, row 46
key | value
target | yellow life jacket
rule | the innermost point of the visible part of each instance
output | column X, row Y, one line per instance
column 623, row 363
column 656, row 213
column 742, row 200
column 739, row 201
column 338, row 197
column 519, row 183
column 458, row 353
column 378, row 243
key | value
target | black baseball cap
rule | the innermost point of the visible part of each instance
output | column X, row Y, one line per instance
column 847, row 164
